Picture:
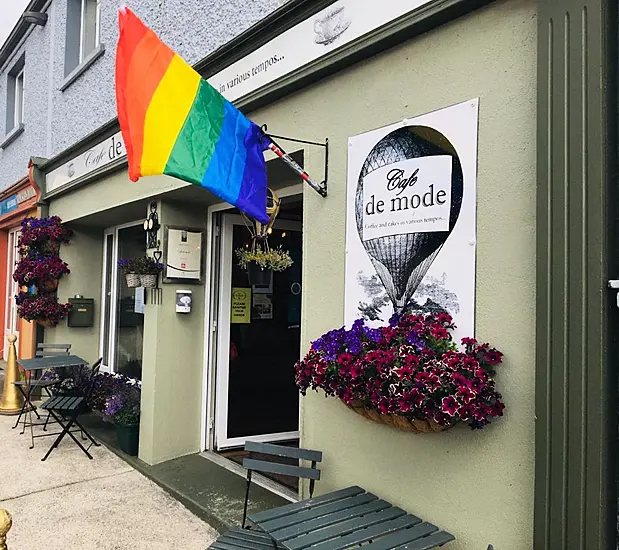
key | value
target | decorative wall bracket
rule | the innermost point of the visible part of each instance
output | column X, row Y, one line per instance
column 151, row 226
column 320, row 188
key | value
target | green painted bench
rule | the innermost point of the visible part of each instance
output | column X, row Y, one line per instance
column 335, row 521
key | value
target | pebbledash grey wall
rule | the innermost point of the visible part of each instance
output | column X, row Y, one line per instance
column 55, row 119
column 32, row 141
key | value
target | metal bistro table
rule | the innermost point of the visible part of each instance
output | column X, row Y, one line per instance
column 30, row 366
column 345, row 519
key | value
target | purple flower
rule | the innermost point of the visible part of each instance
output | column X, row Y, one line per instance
column 414, row 340
column 409, row 368
column 113, row 405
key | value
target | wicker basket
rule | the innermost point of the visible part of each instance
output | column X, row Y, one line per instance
column 45, row 322
column 148, row 281
column 397, row 421
column 50, row 248
column 48, row 285
column 133, row 280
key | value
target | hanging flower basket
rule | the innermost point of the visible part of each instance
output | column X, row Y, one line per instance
column 48, row 285
column 41, row 308
column 396, row 420
column 49, row 248
column 257, row 275
column 409, row 375
column 260, row 261
column 133, row 280
column 148, row 280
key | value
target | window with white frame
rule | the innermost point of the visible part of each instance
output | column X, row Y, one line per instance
column 83, row 35
column 15, row 96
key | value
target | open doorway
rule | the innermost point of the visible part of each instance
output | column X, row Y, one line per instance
column 255, row 396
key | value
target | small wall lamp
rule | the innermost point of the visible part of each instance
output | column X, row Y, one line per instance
column 35, row 17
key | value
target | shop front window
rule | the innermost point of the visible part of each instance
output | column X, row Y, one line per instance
column 122, row 322
column 129, row 318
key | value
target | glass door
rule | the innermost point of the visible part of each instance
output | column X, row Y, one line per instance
column 259, row 342
column 122, row 314
column 12, row 289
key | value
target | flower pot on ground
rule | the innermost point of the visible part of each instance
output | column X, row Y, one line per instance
column 409, row 375
column 260, row 261
column 128, row 438
column 120, row 397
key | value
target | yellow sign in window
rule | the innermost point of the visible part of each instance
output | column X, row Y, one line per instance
column 240, row 308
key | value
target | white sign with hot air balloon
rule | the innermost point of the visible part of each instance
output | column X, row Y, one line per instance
column 410, row 239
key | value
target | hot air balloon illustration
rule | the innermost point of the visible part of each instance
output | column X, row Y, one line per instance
column 401, row 260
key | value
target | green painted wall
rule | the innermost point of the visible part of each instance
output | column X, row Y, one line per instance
column 172, row 346
column 478, row 485
column 84, row 255
column 109, row 192
column 173, row 363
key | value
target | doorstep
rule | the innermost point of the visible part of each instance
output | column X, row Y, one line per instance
column 210, row 491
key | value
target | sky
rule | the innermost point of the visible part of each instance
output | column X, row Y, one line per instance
column 10, row 11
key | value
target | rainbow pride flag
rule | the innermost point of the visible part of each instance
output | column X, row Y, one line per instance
column 174, row 122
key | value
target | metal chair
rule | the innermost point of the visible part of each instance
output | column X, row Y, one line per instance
column 243, row 538
column 66, row 409
column 27, row 387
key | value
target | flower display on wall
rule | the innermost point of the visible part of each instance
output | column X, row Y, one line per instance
column 32, row 270
column 408, row 371
column 39, row 231
column 40, row 267
column 41, row 307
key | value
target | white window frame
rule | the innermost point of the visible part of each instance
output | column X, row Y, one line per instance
column 83, row 28
column 111, row 315
column 97, row 24
column 18, row 112
column 11, row 321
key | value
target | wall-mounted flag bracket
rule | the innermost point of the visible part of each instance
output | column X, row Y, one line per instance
column 320, row 188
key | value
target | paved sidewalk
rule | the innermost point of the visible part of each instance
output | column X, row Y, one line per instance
column 71, row 502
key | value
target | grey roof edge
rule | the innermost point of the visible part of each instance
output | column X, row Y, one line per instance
column 266, row 29
column 282, row 19
column 19, row 31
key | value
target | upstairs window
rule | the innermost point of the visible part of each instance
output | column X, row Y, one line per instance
column 83, row 32
column 15, row 96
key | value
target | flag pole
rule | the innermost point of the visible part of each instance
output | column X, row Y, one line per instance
column 320, row 188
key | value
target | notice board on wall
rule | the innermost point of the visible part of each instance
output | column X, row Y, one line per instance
column 411, row 218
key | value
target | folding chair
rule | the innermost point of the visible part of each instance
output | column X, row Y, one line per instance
column 27, row 387
column 66, row 409
column 244, row 538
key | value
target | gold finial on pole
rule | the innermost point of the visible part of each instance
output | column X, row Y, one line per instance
column 6, row 521
column 12, row 400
